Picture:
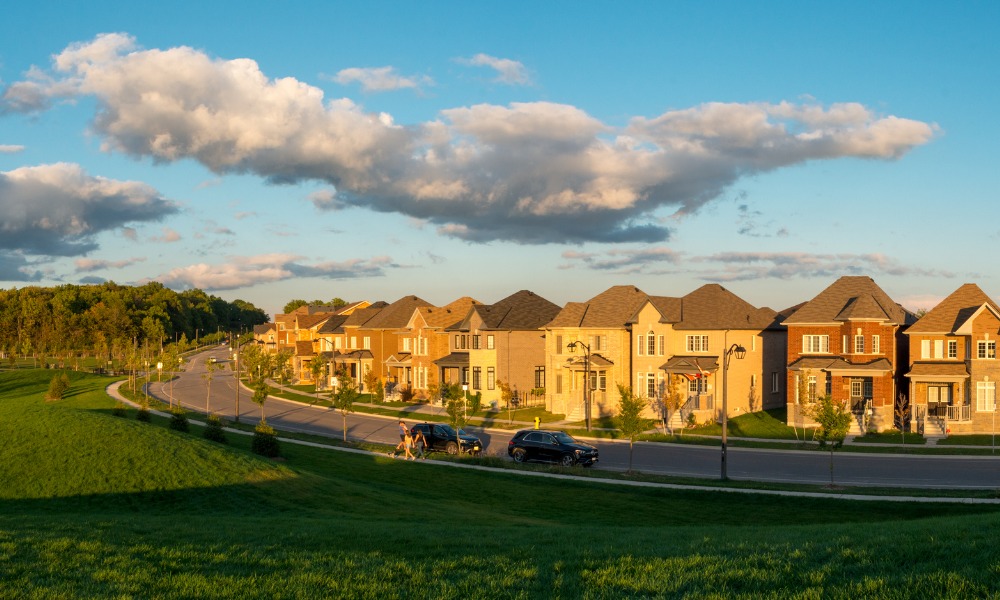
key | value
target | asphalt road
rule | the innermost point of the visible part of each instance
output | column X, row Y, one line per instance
column 850, row 468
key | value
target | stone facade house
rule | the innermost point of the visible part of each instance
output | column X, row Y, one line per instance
column 602, row 323
column 504, row 345
column 433, row 360
column 382, row 335
column 678, row 349
column 848, row 342
column 953, row 366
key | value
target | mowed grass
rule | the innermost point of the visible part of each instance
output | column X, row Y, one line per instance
column 93, row 505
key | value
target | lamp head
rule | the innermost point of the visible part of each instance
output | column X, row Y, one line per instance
column 740, row 352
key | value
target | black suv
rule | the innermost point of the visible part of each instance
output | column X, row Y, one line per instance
column 441, row 437
column 550, row 446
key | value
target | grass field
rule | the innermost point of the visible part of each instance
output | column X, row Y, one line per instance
column 93, row 505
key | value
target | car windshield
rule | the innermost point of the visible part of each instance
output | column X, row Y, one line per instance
column 564, row 438
column 445, row 430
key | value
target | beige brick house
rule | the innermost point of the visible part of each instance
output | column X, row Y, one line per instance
column 679, row 344
column 433, row 360
column 848, row 343
column 602, row 323
column 953, row 366
column 503, row 343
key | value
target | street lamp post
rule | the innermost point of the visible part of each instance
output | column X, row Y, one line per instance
column 586, row 378
column 740, row 352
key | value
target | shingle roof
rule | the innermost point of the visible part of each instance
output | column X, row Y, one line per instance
column 361, row 316
column 311, row 320
column 835, row 304
column 448, row 315
column 334, row 324
column 262, row 329
column 938, row 370
column 395, row 315
column 711, row 307
column 879, row 365
column 521, row 311
column 304, row 348
column 611, row 308
column 953, row 311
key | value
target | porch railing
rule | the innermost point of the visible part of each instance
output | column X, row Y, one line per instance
column 961, row 412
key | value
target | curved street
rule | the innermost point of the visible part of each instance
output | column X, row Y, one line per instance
column 786, row 466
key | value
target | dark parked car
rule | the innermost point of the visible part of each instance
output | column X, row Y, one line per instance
column 550, row 446
column 441, row 437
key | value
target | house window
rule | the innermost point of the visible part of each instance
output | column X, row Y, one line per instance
column 697, row 343
column 406, row 344
column 558, row 383
column 876, row 344
column 336, row 343
column 660, row 346
column 641, row 345
column 952, row 349
column 925, row 349
column 815, row 344
column 475, row 342
column 859, row 344
column 811, row 386
column 539, row 377
column 489, row 342
column 423, row 346
column 491, row 378
column 650, row 344
column 651, row 387
column 367, row 343
column 775, row 382
column 477, row 378
column 986, row 349
column 458, row 341
column 986, row 396
column 598, row 380
column 559, row 344
column 697, row 386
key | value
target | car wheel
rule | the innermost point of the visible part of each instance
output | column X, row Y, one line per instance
column 520, row 455
column 568, row 460
column 451, row 448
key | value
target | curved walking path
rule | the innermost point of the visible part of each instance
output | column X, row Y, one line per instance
column 113, row 392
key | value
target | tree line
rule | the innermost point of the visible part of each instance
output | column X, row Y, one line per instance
column 110, row 319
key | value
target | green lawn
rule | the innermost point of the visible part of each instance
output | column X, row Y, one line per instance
column 93, row 505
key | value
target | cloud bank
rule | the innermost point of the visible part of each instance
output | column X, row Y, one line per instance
column 532, row 172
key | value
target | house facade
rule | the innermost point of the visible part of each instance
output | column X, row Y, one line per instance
column 434, row 360
column 678, row 355
column 504, row 345
column 602, row 324
column 848, row 342
column 953, row 366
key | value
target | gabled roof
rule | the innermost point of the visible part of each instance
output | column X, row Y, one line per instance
column 691, row 364
column 954, row 311
column 710, row 307
column 816, row 363
column 446, row 316
column 335, row 324
column 304, row 348
column 352, row 306
column 854, row 298
column 361, row 316
column 611, row 308
column 263, row 328
column 397, row 314
column 311, row 320
column 521, row 311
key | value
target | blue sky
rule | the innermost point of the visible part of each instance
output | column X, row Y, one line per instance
column 370, row 150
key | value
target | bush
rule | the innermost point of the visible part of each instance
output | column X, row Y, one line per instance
column 213, row 429
column 57, row 387
column 406, row 394
column 142, row 414
column 178, row 420
column 265, row 441
column 475, row 402
column 119, row 409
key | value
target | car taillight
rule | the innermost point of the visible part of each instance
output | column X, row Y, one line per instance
column 510, row 443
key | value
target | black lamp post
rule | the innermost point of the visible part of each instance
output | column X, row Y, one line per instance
column 586, row 378
column 740, row 352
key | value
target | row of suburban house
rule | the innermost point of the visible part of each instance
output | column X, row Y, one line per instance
column 937, row 373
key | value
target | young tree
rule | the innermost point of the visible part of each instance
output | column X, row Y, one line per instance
column 454, row 399
column 901, row 408
column 506, row 395
column 57, row 387
column 260, row 391
column 344, row 395
column 629, row 419
column 804, row 400
column 316, row 368
column 834, row 422
column 673, row 400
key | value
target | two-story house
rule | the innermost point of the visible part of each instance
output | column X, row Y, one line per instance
column 680, row 344
column 953, row 364
column 383, row 334
column 435, row 361
column 848, row 342
column 504, row 344
column 602, row 325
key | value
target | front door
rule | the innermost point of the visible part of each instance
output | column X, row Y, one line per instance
column 938, row 399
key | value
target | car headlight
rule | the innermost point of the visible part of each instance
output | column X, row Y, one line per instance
column 578, row 452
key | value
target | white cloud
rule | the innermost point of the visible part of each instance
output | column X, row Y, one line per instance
column 88, row 265
column 169, row 236
column 10, row 148
column 57, row 209
column 379, row 79
column 247, row 271
column 534, row 172
column 508, row 71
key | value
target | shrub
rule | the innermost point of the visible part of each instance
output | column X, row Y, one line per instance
column 691, row 420
column 213, row 429
column 57, row 387
column 406, row 394
column 142, row 414
column 178, row 420
column 475, row 402
column 265, row 441
column 119, row 409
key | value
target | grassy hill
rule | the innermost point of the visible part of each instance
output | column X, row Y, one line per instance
column 97, row 505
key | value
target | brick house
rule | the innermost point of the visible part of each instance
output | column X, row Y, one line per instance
column 503, row 343
column 679, row 344
column 433, row 361
column 602, row 323
column 383, row 335
column 953, row 365
column 848, row 342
